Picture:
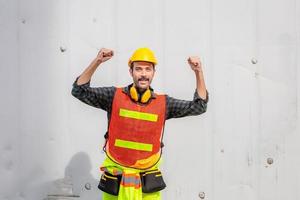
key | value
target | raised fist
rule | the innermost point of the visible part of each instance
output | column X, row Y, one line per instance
column 104, row 55
column 195, row 63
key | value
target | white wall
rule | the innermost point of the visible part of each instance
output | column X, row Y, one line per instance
column 51, row 142
column 9, row 81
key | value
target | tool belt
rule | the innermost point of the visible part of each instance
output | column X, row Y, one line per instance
column 152, row 181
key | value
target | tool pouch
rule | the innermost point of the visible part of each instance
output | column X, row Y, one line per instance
column 110, row 183
column 152, row 181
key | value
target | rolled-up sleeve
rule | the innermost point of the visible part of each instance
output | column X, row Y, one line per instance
column 177, row 108
column 99, row 97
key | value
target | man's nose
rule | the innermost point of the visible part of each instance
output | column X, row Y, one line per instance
column 143, row 73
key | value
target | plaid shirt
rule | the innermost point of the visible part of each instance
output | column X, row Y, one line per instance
column 102, row 97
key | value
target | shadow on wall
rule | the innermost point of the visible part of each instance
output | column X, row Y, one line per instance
column 78, row 182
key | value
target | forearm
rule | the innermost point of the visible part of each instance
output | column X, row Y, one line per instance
column 88, row 72
column 200, row 84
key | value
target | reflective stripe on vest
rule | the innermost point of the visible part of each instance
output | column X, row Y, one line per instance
column 138, row 115
column 133, row 145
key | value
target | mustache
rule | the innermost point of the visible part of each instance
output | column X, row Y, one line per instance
column 143, row 79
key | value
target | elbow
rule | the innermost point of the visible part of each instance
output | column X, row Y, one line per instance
column 75, row 92
column 76, row 89
column 201, row 109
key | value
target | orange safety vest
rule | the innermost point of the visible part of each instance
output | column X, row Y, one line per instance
column 135, row 131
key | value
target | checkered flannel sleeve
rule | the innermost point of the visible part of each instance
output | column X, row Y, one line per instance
column 177, row 108
column 99, row 97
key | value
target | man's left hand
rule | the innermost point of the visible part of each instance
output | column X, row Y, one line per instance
column 195, row 63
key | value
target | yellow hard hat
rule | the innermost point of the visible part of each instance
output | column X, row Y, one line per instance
column 142, row 54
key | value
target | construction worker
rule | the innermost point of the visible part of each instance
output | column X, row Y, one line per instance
column 136, row 118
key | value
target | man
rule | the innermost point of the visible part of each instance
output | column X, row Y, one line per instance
column 136, row 117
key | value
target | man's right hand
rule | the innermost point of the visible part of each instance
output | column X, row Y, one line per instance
column 104, row 55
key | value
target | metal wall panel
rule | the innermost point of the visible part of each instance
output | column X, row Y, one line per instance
column 9, row 122
column 233, row 42
column 277, row 49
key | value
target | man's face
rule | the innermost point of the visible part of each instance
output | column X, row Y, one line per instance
column 142, row 74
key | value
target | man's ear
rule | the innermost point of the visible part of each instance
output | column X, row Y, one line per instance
column 130, row 70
